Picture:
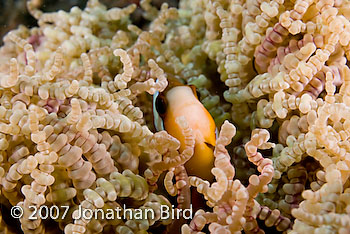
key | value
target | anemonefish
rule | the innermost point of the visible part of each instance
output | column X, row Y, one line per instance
column 182, row 100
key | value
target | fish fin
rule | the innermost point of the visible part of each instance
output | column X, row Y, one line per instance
column 209, row 145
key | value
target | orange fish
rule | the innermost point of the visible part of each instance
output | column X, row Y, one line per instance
column 182, row 100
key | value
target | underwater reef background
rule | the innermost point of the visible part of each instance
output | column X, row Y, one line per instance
column 14, row 12
column 77, row 133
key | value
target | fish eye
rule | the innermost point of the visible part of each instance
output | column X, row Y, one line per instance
column 161, row 105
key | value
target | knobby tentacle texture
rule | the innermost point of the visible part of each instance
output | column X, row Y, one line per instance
column 76, row 118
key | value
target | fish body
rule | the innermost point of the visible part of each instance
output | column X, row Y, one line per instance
column 182, row 100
